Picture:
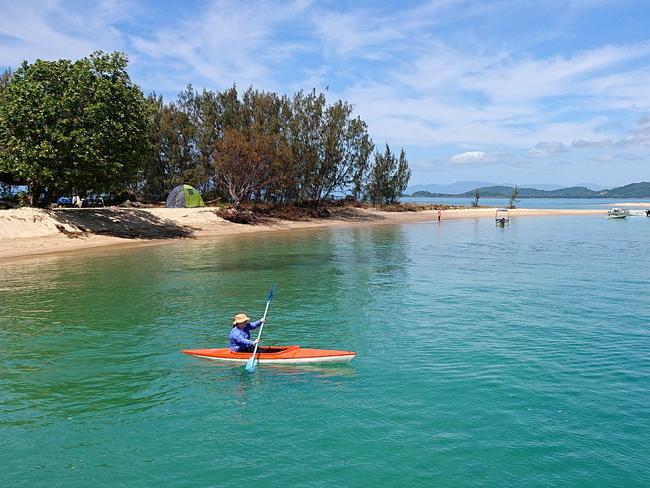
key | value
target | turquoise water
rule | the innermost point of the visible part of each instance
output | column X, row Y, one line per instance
column 568, row 203
column 486, row 357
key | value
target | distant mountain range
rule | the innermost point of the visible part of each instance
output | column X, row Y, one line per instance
column 633, row 190
column 465, row 186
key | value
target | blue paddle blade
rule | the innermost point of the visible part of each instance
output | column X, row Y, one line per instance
column 251, row 364
column 271, row 292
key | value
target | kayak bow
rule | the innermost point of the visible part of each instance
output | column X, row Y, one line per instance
column 275, row 355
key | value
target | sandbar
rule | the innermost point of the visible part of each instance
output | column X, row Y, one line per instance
column 31, row 232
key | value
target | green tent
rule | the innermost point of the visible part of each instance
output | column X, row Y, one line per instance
column 184, row 196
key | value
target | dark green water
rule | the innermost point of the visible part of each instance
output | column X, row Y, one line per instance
column 486, row 357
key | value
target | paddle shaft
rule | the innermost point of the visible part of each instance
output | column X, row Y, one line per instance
column 259, row 335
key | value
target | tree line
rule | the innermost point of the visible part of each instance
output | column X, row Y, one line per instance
column 84, row 127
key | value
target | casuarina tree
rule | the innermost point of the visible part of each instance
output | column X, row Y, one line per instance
column 389, row 177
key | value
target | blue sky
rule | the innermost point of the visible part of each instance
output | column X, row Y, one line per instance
column 503, row 91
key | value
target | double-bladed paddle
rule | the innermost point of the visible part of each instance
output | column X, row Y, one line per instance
column 252, row 362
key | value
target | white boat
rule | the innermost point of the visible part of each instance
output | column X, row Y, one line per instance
column 502, row 216
column 618, row 213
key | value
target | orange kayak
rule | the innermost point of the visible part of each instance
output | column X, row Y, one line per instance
column 276, row 355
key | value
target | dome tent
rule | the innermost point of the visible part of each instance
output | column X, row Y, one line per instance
column 184, row 196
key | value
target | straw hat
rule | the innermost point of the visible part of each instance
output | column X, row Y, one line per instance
column 240, row 318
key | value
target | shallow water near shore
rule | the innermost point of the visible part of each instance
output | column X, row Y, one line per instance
column 487, row 356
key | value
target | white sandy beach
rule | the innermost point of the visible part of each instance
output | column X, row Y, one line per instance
column 631, row 204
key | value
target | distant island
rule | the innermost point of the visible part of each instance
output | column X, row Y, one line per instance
column 633, row 190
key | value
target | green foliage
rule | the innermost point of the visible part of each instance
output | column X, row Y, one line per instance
column 514, row 197
column 73, row 126
column 173, row 161
column 83, row 127
column 23, row 199
column 331, row 149
column 5, row 79
column 262, row 146
column 633, row 190
column 477, row 195
column 389, row 177
column 5, row 177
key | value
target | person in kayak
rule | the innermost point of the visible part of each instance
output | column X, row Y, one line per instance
column 240, row 335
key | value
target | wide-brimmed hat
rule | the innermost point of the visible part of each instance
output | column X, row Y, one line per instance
column 240, row 318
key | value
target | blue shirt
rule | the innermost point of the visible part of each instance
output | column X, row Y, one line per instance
column 241, row 338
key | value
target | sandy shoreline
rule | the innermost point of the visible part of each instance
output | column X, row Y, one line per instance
column 29, row 233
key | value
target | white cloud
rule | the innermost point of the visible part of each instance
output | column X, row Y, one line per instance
column 477, row 157
column 470, row 157
column 632, row 157
column 544, row 149
column 536, row 153
column 49, row 30
column 582, row 144
column 605, row 158
column 637, row 136
column 418, row 75
column 228, row 42
column 450, row 96
column 373, row 33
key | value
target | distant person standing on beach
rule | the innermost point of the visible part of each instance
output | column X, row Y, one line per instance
column 439, row 214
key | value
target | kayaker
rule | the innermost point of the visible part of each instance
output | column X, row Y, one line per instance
column 240, row 335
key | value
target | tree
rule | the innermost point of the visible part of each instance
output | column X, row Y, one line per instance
column 242, row 164
column 330, row 149
column 513, row 197
column 172, row 162
column 477, row 195
column 389, row 177
column 305, row 139
column 5, row 78
column 209, row 114
column 362, row 148
column 73, row 126
column 263, row 147
column 347, row 149
column 402, row 177
column 6, row 179
column 265, row 124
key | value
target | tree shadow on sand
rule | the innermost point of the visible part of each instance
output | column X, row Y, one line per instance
column 124, row 223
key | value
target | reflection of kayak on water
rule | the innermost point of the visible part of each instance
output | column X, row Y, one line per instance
column 276, row 355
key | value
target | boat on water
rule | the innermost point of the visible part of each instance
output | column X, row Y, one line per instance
column 275, row 355
column 618, row 213
column 502, row 216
